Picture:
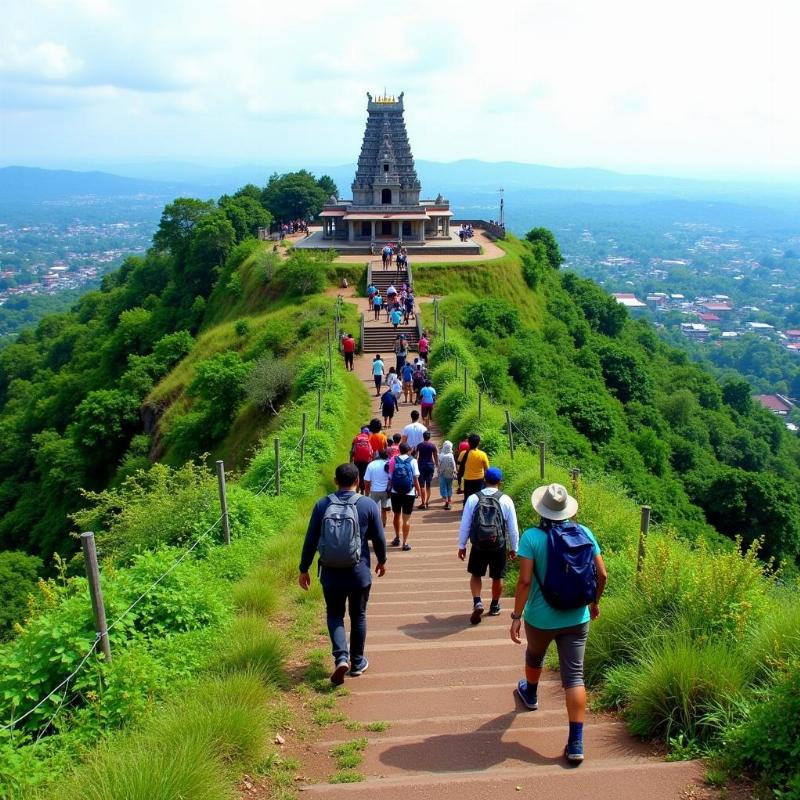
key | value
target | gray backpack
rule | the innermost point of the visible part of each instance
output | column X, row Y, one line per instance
column 340, row 539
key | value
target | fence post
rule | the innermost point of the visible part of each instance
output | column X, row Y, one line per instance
column 480, row 403
column 465, row 378
column 510, row 433
column 330, row 360
column 319, row 409
column 541, row 460
column 456, row 366
column 223, row 502
column 277, row 466
column 576, row 477
column 644, row 527
column 303, row 438
column 96, row 592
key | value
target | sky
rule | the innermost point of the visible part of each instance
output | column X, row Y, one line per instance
column 689, row 87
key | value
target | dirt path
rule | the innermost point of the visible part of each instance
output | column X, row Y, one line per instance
column 456, row 730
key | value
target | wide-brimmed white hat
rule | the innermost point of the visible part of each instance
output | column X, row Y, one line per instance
column 553, row 502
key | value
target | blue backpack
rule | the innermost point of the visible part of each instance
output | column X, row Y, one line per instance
column 571, row 578
column 402, row 476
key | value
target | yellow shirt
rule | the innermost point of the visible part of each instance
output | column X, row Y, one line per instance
column 476, row 465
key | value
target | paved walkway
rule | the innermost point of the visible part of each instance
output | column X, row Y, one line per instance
column 445, row 687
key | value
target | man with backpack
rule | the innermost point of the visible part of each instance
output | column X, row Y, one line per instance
column 489, row 523
column 404, row 481
column 561, row 579
column 340, row 529
column 361, row 454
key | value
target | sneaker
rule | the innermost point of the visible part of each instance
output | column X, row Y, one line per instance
column 529, row 702
column 494, row 610
column 573, row 752
column 356, row 671
column 396, row 541
column 477, row 613
column 406, row 547
column 337, row 677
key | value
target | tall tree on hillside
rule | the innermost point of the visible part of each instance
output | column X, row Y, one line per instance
column 295, row 195
column 546, row 237
column 328, row 185
column 246, row 214
column 178, row 221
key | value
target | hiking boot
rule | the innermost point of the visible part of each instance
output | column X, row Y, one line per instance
column 395, row 542
column 494, row 610
column 477, row 613
column 406, row 547
column 337, row 676
column 573, row 752
column 359, row 670
column 529, row 699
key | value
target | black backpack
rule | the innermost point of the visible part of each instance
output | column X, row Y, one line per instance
column 340, row 539
column 487, row 531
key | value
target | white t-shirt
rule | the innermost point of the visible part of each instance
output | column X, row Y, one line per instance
column 413, row 433
column 377, row 476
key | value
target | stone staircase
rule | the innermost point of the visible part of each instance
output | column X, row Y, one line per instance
column 379, row 336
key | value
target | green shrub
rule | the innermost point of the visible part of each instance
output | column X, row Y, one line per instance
column 269, row 382
column 467, row 422
column 304, row 273
column 443, row 375
column 768, row 743
column 451, row 402
column 492, row 314
column 18, row 574
column 677, row 682
column 775, row 639
column 311, row 376
column 254, row 646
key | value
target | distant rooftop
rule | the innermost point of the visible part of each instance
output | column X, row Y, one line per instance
column 776, row 403
column 628, row 300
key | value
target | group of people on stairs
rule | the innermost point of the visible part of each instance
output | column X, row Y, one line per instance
column 561, row 571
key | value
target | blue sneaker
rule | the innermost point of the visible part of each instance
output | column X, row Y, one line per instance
column 528, row 699
column 360, row 669
column 573, row 752
column 337, row 677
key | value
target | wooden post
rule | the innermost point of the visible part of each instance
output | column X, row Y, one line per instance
column 465, row 378
column 576, row 480
column 541, row 460
column 330, row 360
column 277, row 466
column 319, row 409
column 510, row 433
column 303, row 438
column 223, row 502
column 644, row 527
column 456, row 366
column 96, row 592
column 480, row 403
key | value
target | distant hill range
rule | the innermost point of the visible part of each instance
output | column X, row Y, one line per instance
column 30, row 184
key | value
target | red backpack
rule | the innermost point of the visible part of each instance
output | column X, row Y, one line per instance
column 362, row 449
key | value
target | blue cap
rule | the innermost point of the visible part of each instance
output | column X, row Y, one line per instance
column 494, row 475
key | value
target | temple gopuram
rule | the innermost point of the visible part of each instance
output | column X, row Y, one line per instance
column 386, row 205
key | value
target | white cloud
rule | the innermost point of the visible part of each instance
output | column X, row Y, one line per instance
column 686, row 86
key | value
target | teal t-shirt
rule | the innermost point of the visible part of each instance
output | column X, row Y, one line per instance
column 538, row 612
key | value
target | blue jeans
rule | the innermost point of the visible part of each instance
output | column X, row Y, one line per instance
column 445, row 487
column 356, row 600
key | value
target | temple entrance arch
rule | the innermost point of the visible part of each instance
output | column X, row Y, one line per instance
column 386, row 228
column 386, row 196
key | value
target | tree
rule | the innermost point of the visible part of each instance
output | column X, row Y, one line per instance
column 104, row 422
column 219, row 386
column 492, row 314
column 545, row 236
column 327, row 184
column 246, row 214
column 303, row 273
column 178, row 221
column 18, row 576
column 625, row 373
column 603, row 313
column 270, row 380
column 295, row 195
column 212, row 240
column 736, row 394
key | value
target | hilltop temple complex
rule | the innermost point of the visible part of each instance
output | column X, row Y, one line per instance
column 386, row 205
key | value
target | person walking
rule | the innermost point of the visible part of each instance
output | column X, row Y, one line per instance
column 462, row 446
column 396, row 317
column 348, row 348
column 394, row 446
column 423, row 347
column 401, row 351
column 489, row 523
column 428, row 461
column 447, row 471
column 427, row 397
column 413, row 432
column 377, row 373
column 418, row 381
column 361, row 454
column 407, row 373
column 472, row 464
column 388, row 406
column 561, row 580
column 340, row 529
column 377, row 302
column 377, row 439
column 404, row 481
column 376, row 483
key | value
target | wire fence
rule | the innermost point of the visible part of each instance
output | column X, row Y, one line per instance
column 272, row 480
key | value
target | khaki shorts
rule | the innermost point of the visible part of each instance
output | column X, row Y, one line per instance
column 381, row 498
